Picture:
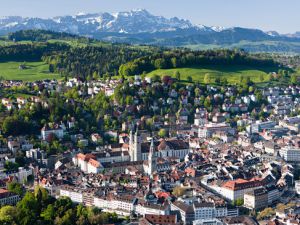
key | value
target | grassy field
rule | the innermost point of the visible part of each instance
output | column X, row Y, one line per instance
column 231, row 73
column 34, row 71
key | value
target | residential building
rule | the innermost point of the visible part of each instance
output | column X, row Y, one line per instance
column 256, row 199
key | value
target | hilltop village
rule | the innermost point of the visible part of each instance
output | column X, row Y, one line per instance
column 155, row 150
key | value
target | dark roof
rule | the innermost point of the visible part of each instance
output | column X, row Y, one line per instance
column 203, row 204
column 184, row 207
column 161, row 219
column 239, row 220
column 172, row 144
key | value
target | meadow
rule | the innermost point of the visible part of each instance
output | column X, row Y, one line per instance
column 33, row 71
column 231, row 73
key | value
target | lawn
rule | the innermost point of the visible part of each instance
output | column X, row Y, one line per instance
column 231, row 73
column 33, row 71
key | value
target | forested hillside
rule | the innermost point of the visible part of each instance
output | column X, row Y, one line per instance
column 98, row 59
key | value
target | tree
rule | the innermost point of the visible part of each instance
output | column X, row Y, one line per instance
column 189, row 79
column 96, row 75
column 8, row 215
column 174, row 62
column 207, row 78
column 156, row 78
column 177, row 75
column 162, row 133
column 294, row 79
column 207, row 103
column 61, row 205
column 266, row 213
column 15, row 187
column 27, row 209
column 49, row 213
column 51, row 68
column 197, row 92
column 15, row 126
column 217, row 80
column 261, row 78
column 10, row 166
column 178, row 191
column 41, row 195
column 160, row 63
column 239, row 202
column 68, row 218
column 223, row 81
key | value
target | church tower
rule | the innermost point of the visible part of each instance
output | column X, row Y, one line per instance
column 135, row 151
column 131, row 145
column 152, row 159
column 137, row 146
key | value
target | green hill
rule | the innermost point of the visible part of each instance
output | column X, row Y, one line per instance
column 32, row 71
column 232, row 73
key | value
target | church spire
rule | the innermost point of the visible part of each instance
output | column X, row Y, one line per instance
column 152, row 159
column 152, row 147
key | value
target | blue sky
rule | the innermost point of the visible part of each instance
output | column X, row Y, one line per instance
column 279, row 15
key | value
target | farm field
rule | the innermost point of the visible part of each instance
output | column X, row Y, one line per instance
column 33, row 71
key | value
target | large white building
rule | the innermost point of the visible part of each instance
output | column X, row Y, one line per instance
column 200, row 211
column 260, row 126
column 290, row 154
column 235, row 189
column 75, row 195
column 209, row 129
column 297, row 186
column 88, row 163
column 56, row 130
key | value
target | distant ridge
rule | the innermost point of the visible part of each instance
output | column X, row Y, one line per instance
column 141, row 27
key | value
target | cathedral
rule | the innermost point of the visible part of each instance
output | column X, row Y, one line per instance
column 148, row 153
column 151, row 156
column 139, row 150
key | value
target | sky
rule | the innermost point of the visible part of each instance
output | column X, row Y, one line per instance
column 279, row 15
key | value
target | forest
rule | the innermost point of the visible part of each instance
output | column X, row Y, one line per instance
column 114, row 59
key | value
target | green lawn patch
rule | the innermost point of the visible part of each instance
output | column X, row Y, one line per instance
column 33, row 71
column 231, row 73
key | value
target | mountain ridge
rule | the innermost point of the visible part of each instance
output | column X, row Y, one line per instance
column 141, row 27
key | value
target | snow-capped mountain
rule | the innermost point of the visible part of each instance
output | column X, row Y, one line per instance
column 135, row 21
column 132, row 22
column 141, row 27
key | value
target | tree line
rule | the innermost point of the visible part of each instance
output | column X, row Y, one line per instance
column 90, row 61
column 30, row 52
column 187, row 58
column 39, row 208
column 43, row 35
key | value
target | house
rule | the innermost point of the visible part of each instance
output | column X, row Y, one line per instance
column 95, row 137
column 93, row 166
column 5, row 101
column 8, row 198
column 13, row 145
column 56, row 130
column 21, row 100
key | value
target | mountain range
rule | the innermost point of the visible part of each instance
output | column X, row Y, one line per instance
column 141, row 27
